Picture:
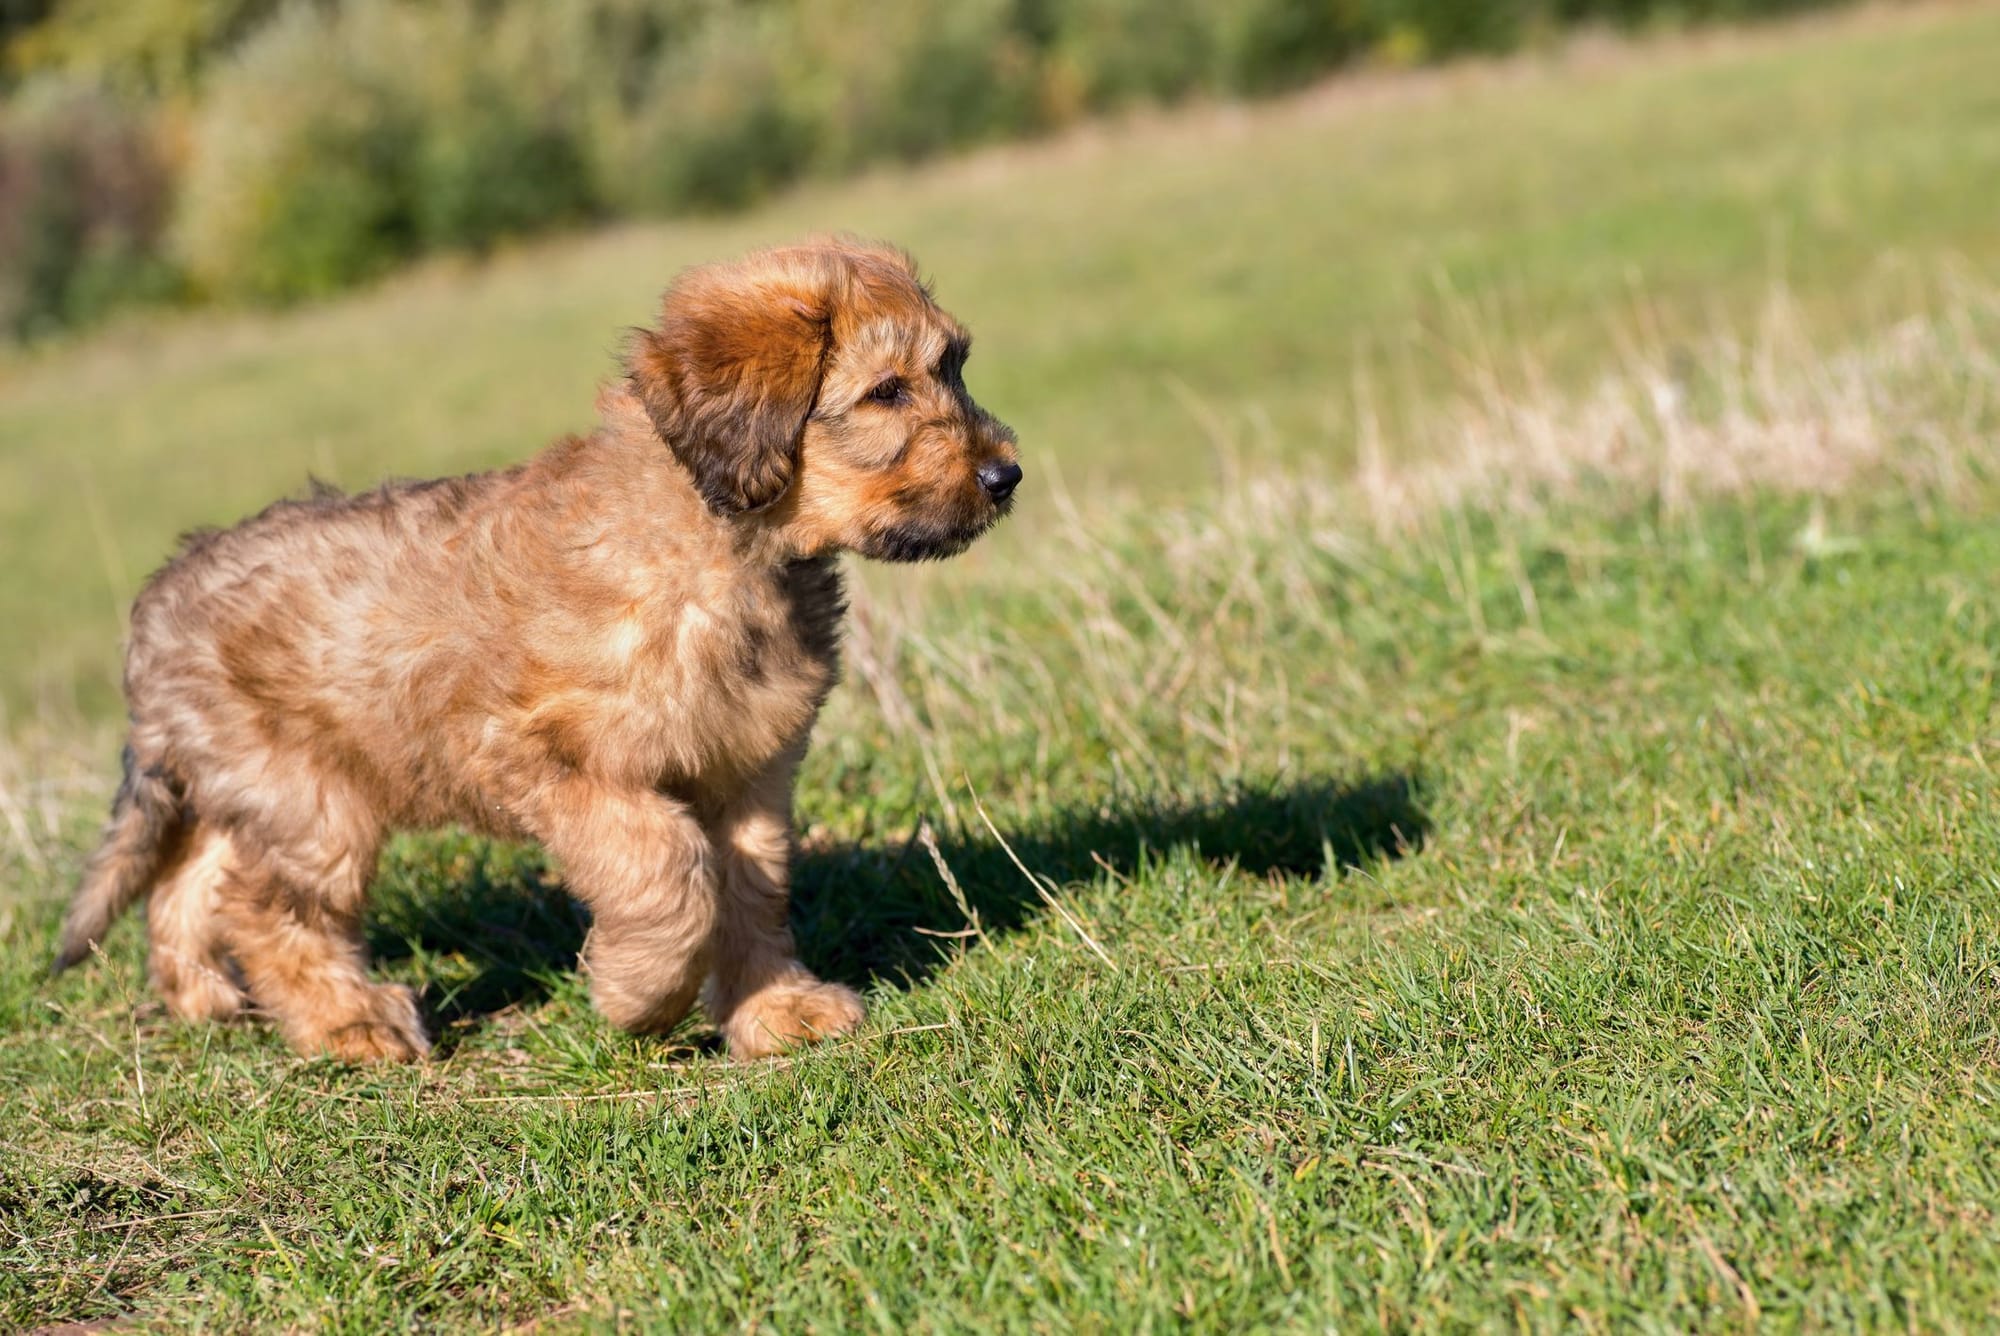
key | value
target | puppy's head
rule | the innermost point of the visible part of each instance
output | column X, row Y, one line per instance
column 819, row 390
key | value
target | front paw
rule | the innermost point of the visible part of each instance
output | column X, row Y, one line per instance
column 381, row 1025
column 790, row 1014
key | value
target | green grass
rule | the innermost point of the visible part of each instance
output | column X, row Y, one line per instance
column 1131, row 289
column 1542, row 877
column 1572, row 906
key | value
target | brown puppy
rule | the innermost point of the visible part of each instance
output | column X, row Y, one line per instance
column 616, row 649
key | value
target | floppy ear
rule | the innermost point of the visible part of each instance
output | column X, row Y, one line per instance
column 732, row 372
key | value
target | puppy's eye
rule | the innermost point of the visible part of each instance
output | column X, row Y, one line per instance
column 888, row 392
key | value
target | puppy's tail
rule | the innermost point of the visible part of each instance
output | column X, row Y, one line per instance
column 146, row 820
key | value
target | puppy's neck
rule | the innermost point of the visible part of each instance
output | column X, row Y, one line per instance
column 641, row 484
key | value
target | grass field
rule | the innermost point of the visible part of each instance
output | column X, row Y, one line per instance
column 1129, row 288
column 1525, row 860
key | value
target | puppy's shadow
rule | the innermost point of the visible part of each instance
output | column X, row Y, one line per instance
column 856, row 909
column 498, row 916
column 487, row 924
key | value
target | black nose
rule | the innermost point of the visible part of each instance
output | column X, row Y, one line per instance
column 1000, row 480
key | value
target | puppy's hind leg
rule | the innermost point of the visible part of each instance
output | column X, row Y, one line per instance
column 293, row 923
column 186, row 957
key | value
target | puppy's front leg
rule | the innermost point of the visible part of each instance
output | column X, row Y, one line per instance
column 643, row 865
column 760, row 997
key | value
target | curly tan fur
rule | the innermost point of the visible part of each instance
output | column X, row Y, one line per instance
column 617, row 649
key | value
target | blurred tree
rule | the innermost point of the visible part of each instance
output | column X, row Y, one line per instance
column 83, row 197
column 17, row 16
column 153, row 47
column 309, row 144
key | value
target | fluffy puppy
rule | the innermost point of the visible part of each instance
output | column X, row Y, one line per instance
column 616, row 649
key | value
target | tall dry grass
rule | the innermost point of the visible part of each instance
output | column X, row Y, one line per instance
column 1201, row 640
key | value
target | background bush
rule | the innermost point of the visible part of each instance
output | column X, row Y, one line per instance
column 716, row 128
column 1095, row 62
column 938, row 74
column 328, row 140
column 83, row 195
column 340, row 141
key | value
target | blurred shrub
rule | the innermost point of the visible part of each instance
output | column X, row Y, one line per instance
column 1098, row 64
column 83, row 193
column 488, row 168
column 133, row 46
column 716, row 129
column 332, row 139
column 1269, row 45
column 301, row 159
column 338, row 142
column 760, row 94
column 907, row 80
column 1428, row 29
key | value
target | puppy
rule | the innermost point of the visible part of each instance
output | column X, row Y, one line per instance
column 616, row 649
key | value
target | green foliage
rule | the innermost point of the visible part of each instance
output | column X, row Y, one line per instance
column 333, row 140
column 340, row 142
column 938, row 74
column 489, row 167
column 717, row 129
column 135, row 46
column 301, row 162
column 1267, row 45
column 1095, row 62
column 82, row 195
column 18, row 17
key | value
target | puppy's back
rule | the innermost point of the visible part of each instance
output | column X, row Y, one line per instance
column 290, row 629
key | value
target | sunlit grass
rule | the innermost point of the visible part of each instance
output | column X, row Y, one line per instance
column 1266, row 273
column 1514, row 848
column 1553, row 884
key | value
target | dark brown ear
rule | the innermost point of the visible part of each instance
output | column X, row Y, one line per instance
column 733, row 370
